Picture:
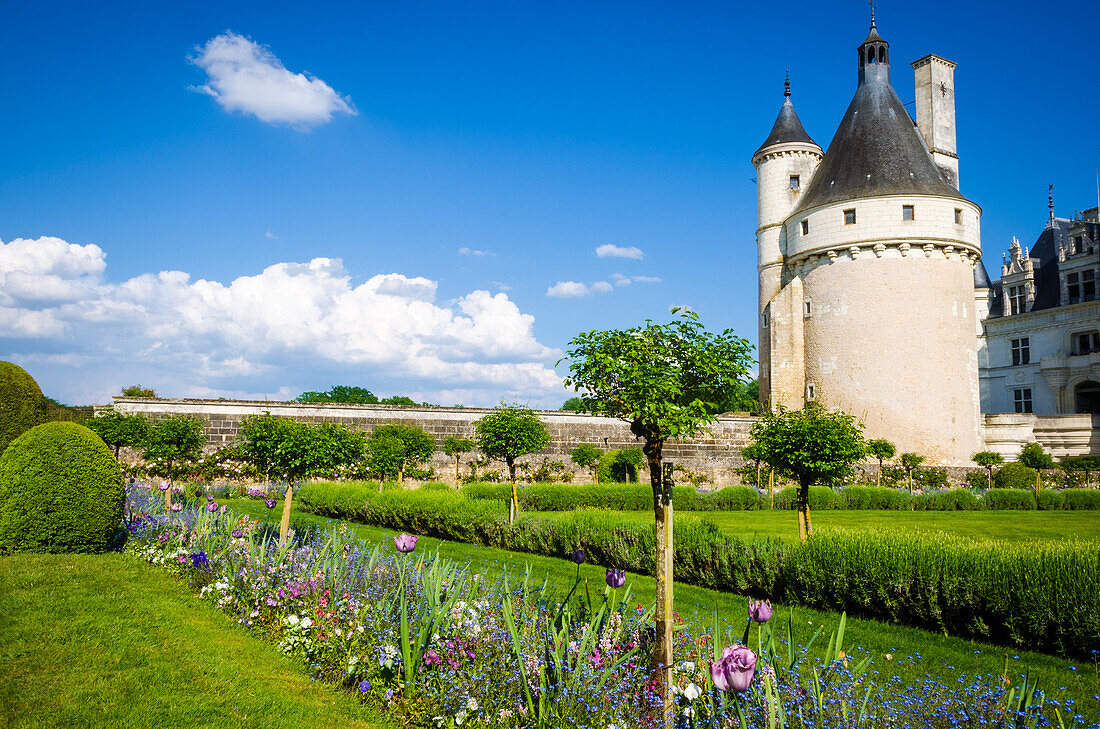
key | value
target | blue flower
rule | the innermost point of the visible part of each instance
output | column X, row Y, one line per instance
column 364, row 686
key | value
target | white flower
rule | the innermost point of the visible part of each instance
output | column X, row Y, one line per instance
column 692, row 692
column 439, row 720
column 689, row 712
column 686, row 667
column 460, row 717
column 292, row 619
column 471, row 704
column 306, row 622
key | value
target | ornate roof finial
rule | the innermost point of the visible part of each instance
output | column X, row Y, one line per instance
column 872, row 12
column 787, row 84
column 1050, row 200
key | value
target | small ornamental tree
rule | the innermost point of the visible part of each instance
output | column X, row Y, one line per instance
column 809, row 446
column 665, row 380
column 881, row 450
column 508, row 432
column 1033, row 456
column 988, row 460
column 911, row 462
column 177, row 439
column 587, row 456
column 119, row 429
column 259, row 439
column 385, row 455
column 454, row 448
column 755, row 453
column 417, row 445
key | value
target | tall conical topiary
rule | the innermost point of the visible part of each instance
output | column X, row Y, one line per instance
column 21, row 403
column 61, row 490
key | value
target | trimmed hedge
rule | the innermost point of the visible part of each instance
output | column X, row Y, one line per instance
column 21, row 403
column 1081, row 499
column 1014, row 476
column 1042, row 596
column 1010, row 499
column 60, row 491
column 619, row 497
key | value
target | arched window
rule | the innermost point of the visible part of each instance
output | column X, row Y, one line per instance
column 1087, row 395
column 882, row 54
column 871, row 55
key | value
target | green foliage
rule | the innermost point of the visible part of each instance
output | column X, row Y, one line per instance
column 620, row 497
column 138, row 391
column 740, row 397
column 881, row 449
column 60, row 491
column 283, row 448
column 987, row 459
column 810, row 445
column 820, row 497
column 949, row 500
column 341, row 394
column 586, row 455
column 1033, row 456
column 911, row 461
column 1016, row 594
column 931, row 478
column 454, row 447
column 573, row 404
column 395, row 447
column 176, row 439
column 510, row 431
column 399, row 401
column 1014, row 476
column 664, row 379
column 119, row 429
column 1009, row 499
column 21, row 403
column 1081, row 499
column 869, row 497
column 621, row 465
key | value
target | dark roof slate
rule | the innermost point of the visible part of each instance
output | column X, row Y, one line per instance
column 787, row 128
column 877, row 150
column 981, row 276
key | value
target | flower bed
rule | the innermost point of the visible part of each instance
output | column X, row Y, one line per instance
column 1044, row 596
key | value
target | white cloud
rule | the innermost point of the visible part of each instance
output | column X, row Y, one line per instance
column 464, row 251
column 271, row 234
column 567, row 290
column 247, row 77
column 608, row 250
column 600, row 287
column 645, row 279
column 300, row 324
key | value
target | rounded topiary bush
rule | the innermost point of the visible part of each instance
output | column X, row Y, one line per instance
column 61, row 490
column 1014, row 476
column 21, row 403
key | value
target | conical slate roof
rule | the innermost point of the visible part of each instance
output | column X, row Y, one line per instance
column 877, row 150
column 981, row 276
column 787, row 127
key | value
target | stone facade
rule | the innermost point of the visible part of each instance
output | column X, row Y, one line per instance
column 716, row 453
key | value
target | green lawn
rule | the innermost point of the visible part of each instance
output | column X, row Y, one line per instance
column 107, row 641
column 1010, row 525
column 914, row 652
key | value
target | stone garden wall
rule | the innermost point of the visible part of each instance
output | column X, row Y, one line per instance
column 716, row 453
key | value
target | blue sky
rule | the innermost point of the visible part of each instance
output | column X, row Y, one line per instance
column 233, row 144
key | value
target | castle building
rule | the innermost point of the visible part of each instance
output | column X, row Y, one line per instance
column 1041, row 347
column 872, row 290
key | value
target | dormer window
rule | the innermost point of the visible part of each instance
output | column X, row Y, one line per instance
column 794, row 182
column 1017, row 299
column 1077, row 244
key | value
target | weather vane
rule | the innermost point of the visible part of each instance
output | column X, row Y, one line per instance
column 872, row 12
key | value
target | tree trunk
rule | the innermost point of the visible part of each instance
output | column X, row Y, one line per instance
column 991, row 479
column 878, row 474
column 662, row 514
column 910, row 473
column 513, row 505
column 771, row 489
column 1038, row 477
column 758, row 474
column 805, row 526
column 457, row 480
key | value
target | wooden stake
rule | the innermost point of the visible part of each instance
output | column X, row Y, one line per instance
column 284, row 527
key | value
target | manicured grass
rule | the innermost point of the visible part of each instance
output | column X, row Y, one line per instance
column 913, row 652
column 1007, row 525
column 108, row 641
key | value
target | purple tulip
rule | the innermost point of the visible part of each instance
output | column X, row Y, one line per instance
column 578, row 556
column 405, row 542
column 212, row 506
column 364, row 686
column 615, row 578
column 209, row 498
column 760, row 610
column 165, row 485
column 176, row 506
column 735, row 669
column 270, row 503
column 238, row 534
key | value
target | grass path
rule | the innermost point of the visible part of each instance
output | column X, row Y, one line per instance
column 913, row 652
column 1006, row 525
column 107, row 641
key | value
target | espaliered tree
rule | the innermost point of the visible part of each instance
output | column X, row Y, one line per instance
column 508, row 432
column 881, row 450
column 454, row 447
column 809, row 445
column 665, row 380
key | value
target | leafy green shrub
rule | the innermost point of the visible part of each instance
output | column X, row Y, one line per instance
column 870, row 497
column 949, row 500
column 1050, row 500
column 1033, row 456
column 21, row 403
column 60, row 491
column 1081, row 499
column 821, row 497
column 176, row 440
column 1014, row 476
column 1011, row 593
column 435, row 486
column 732, row 498
column 621, row 465
column 931, row 478
column 1009, row 499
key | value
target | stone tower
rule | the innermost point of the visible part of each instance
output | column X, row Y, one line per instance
column 867, row 278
